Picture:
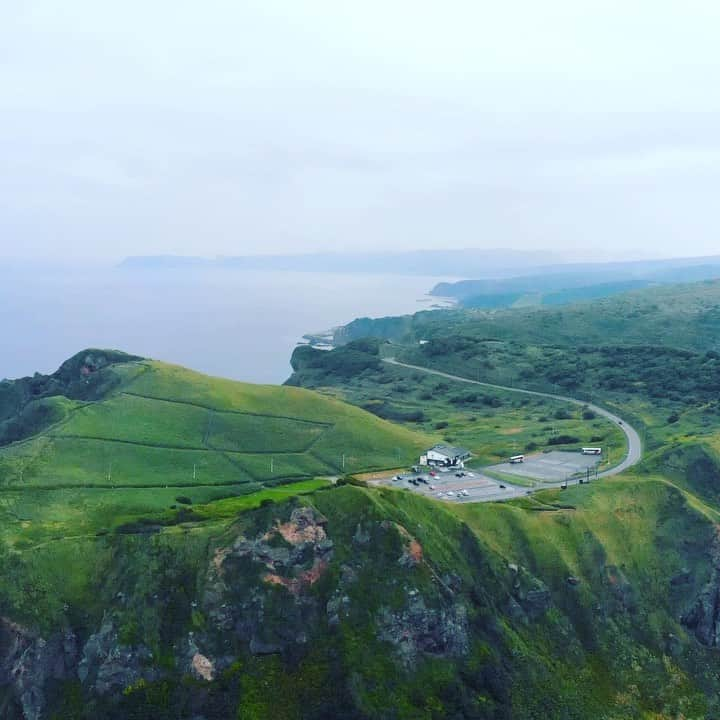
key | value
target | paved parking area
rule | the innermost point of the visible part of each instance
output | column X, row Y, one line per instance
column 554, row 466
column 471, row 487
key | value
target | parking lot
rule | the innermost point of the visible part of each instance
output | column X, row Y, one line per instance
column 452, row 485
column 471, row 486
column 554, row 466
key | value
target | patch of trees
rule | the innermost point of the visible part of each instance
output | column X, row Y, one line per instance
column 388, row 411
column 342, row 363
column 563, row 440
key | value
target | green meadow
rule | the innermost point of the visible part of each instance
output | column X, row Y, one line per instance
column 163, row 431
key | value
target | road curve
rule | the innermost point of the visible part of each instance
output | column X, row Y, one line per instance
column 634, row 453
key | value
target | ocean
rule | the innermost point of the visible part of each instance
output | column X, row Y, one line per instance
column 231, row 323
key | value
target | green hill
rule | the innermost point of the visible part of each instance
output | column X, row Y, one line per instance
column 134, row 433
column 682, row 316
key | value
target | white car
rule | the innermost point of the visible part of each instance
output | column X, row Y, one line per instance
column 464, row 493
column 432, row 487
column 450, row 493
column 439, row 495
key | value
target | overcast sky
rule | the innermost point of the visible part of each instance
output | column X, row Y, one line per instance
column 246, row 126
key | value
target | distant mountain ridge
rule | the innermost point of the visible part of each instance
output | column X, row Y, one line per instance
column 558, row 284
column 457, row 263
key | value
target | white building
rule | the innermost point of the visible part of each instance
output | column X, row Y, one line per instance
column 445, row 456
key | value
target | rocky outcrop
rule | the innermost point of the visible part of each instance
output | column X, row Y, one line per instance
column 241, row 599
column 703, row 616
column 107, row 665
column 529, row 596
column 28, row 663
column 418, row 629
column 620, row 588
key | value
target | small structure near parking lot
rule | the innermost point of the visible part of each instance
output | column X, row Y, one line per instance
column 445, row 456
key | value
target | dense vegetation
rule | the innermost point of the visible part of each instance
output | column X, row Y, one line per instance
column 683, row 316
column 491, row 423
column 651, row 353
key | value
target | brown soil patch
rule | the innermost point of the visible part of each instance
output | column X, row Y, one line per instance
column 303, row 580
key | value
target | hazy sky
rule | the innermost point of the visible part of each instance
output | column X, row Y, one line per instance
column 243, row 126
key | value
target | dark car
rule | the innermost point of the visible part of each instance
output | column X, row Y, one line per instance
column 502, row 487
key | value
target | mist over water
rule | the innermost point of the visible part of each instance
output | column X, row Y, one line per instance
column 236, row 324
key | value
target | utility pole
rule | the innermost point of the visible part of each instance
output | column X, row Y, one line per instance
column 194, row 471
column 272, row 465
column 343, row 461
column 109, row 475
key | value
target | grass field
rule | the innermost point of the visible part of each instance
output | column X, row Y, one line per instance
column 165, row 432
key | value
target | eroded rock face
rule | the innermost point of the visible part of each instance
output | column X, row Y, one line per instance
column 272, row 589
column 258, row 593
column 418, row 629
column 107, row 665
column 703, row 617
column 28, row 662
column 530, row 597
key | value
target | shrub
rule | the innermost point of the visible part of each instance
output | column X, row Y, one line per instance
column 442, row 424
column 563, row 440
column 492, row 401
column 673, row 418
column 183, row 500
column 562, row 414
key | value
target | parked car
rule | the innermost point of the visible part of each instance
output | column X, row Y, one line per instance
column 502, row 487
column 432, row 487
column 450, row 493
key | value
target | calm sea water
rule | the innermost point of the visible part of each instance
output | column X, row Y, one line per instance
column 236, row 324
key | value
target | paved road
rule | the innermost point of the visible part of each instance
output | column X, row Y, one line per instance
column 634, row 453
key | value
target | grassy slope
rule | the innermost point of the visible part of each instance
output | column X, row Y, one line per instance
column 164, row 431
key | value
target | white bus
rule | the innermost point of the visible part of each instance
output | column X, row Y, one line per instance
column 592, row 451
column 517, row 459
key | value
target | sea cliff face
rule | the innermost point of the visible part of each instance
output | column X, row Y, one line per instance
column 354, row 598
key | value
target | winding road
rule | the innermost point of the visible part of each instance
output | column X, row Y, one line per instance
column 634, row 444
